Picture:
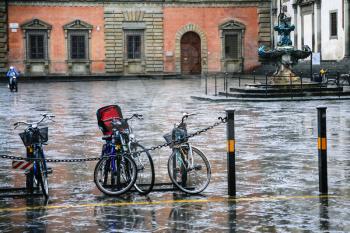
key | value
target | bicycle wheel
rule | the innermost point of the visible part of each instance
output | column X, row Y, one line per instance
column 191, row 174
column 145, row 169
column 42, row 178
column 115, row 175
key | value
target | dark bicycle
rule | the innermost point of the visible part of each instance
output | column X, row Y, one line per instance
column 34, row 138
column 188, row 167
column 125, row 162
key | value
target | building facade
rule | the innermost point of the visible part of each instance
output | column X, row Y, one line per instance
column 323, row 25
column 3, row 36
column 133, row 37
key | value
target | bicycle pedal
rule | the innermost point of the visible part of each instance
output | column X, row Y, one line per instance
column 197, row 167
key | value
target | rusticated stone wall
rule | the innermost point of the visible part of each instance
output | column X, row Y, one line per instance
column 146, row 17
column 3, row 37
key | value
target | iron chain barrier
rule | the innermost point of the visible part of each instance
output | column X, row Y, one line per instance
column 175, row 142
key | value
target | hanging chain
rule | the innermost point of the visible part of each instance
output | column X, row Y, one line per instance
column 175, row 142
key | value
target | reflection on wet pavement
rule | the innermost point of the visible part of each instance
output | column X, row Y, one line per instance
column 276, row 155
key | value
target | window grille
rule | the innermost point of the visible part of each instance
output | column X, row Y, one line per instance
column 133, row 46
column 78, row 47
column 231, row 46
column 36, row 47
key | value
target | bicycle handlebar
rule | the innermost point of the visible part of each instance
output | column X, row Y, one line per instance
column 138, row 116
column 44, row 116
column 186, row 115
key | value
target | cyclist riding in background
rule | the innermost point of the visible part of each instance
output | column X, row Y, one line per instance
column 12, row 72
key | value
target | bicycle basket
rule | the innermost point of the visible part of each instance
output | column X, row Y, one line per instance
column 35, row 136
column 168, row 139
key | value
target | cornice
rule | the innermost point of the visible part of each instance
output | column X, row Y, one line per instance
column 168, row 3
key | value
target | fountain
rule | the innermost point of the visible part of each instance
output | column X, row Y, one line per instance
column 284, row 55
column 283, row 84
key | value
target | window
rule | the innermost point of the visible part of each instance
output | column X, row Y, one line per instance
column 36, row 46
column 78, row 35
column 333, row 25
column 231, row 46
column 133, row 46
column 78, row 47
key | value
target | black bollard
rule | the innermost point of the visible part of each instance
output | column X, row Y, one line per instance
column 254, row 75
column 206, row 84
column 338, row 83
column 226, row 86
column 290, row 86
column 231, row 160
column 215, row 85
column 301, row 81
column 266, row 85
column 225, row 77
column 322, row 149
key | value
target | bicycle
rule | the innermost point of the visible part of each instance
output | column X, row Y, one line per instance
column 34, row 138
column 188, row 167
column 134, row 162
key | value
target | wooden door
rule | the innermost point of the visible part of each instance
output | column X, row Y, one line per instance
column 190, row 53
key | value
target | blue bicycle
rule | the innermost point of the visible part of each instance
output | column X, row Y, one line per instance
column 114, row 173
column 34, row 138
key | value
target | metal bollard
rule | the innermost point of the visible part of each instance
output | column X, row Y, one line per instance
column 231, row 160
column 254, row 75
column 239, row 80
column 206, row 84
column 322, row 149
column 301, row 81
column 338, row 83
column 226, row 86
column 225, row 76
column 215, row 86
column 266, row 85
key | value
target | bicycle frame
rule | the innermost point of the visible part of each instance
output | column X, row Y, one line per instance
column 189, row 158
column 35, row 151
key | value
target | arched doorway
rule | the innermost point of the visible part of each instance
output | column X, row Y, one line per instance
column 191, row 53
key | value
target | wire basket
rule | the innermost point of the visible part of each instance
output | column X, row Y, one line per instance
column 168, row 139
column 30, row 137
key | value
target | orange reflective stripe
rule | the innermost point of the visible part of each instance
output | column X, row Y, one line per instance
column 322, row 143
column 231, row 146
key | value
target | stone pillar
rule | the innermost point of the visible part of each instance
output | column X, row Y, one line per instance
column 3, row 36
column 295, row 8
column 319, row 35
column 347, row 28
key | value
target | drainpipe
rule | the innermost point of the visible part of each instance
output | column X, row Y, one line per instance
column 272, row 38
column 319, row 23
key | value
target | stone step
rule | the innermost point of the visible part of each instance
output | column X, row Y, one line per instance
column 280, row 95
column 309, row 89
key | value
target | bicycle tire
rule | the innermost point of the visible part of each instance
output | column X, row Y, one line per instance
column 187, row 178
column 145, row 169
column 42, row 179
column 127, row 171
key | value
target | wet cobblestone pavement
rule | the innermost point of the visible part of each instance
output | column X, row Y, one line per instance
column 276, row 164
